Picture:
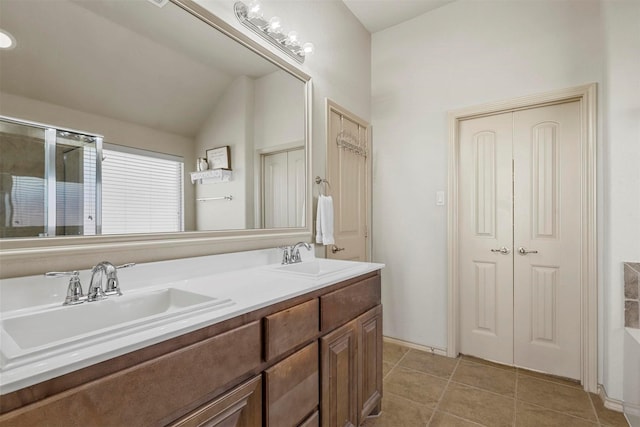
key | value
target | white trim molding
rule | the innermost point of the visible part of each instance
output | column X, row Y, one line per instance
column 433, row 350
column 609, row 403
column 586, row 95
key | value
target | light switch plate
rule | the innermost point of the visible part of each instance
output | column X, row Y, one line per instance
column 439, row 198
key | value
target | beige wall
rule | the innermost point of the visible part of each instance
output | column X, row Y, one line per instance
column 468, row 53
column 279, row 110
column 230, row 123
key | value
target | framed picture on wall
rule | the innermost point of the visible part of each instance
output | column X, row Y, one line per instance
column 219, row 158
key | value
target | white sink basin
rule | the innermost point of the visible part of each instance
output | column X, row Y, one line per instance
column 45, row 330
column 317, row 267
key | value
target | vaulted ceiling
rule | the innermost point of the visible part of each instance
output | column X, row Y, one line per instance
column 376, row 15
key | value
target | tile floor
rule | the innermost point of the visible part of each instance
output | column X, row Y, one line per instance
column 422, row 389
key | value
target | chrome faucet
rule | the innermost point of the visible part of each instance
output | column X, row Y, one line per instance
column 96, row 291
column 291, row 255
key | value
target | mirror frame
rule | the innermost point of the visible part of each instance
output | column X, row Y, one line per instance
column 29, row 256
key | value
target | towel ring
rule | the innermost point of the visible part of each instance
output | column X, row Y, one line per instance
column 321, row 181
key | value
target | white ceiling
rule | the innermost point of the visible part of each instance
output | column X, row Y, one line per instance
column 377, row 15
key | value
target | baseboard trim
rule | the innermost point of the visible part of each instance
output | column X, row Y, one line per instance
column 609, row 403
column 434, row 350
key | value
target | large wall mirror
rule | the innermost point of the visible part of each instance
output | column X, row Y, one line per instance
column 108, row 107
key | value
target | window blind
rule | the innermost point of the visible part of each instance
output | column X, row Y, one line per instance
column 141, row 191
column 27, row 202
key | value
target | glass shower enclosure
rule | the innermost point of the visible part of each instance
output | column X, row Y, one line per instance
column 49, row 180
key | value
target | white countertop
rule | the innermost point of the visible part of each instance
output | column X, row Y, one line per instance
column 250, row 279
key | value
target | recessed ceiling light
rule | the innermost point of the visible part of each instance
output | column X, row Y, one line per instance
column 7, row 41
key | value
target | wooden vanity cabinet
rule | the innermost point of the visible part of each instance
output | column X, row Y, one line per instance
column 154, row 392
column 315, row 359
column 351, row 355
column 352, row 371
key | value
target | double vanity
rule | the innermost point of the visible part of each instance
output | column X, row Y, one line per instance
column 225, row 340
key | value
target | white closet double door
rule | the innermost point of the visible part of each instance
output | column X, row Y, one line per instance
column 520, row 238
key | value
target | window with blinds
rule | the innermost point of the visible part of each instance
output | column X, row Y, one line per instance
column 141, row 191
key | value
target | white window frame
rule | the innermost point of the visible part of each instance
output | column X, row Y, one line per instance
column 124, row 185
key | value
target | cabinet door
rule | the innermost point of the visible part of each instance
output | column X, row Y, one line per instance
column 369, row 362
column 339, row 375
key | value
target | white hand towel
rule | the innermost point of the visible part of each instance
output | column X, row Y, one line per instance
column 324, row 221
column 319, row 214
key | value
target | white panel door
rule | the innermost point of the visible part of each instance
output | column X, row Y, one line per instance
column 283, row 194
column 296, row 187
column 485, row 227
column 275, row 193
column 547, row 191
column 520, row 190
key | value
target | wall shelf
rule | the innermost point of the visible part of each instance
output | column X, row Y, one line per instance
column 211, row 176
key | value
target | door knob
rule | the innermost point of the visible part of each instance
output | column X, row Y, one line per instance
column 335, row 249
column 523, row 251
column 503, row 250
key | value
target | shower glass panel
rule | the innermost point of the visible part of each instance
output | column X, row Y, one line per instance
column 75, row 177
column 23, row 182
column 49, row 181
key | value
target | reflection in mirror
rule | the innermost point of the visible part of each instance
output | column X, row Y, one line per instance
column 47, row 181
column 161, row 87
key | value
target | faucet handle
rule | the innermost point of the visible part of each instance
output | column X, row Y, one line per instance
column 113, row 283
column 74, row 290
column 127, row 265
column 286, row 254
column 61, row 273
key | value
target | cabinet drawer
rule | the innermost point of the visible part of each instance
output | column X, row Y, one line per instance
column 289, row 328
column 340, row 306
column 292, row 388
column 240, row 407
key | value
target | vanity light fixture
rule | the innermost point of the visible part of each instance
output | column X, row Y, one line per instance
column 251, row 16
column 7, row 41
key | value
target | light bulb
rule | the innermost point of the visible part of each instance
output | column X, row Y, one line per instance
column 307, row 48
column 293, row 38
column 254, row 9
column 6, row 40
column 274, row 25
